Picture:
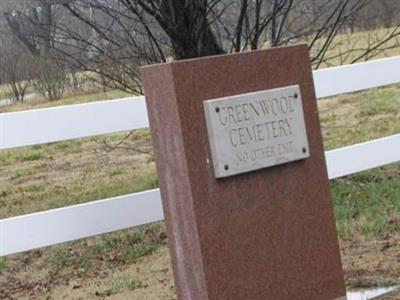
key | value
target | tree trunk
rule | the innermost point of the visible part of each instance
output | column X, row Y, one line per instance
column 187, row 25
column 45, row 26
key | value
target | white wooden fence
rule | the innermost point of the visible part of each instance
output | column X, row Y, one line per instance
column 23, row 233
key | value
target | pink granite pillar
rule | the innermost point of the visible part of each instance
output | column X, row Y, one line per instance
column 266, row 234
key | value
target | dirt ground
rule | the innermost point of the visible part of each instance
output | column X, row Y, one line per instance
column 392, row 296
column 135, row 264
column 152, row 279
column 370, row 263
column 366, row 263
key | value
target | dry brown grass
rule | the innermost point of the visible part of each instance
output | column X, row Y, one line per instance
column 134, row 264
column 44, row 177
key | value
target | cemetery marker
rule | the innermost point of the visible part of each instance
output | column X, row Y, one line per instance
column 245, row 190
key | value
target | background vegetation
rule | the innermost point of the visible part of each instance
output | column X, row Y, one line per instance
column 98, row 47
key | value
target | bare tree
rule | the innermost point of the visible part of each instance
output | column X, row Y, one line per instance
column 15, row 67
column 34, row 28
column 112, row 38
column 145, row 31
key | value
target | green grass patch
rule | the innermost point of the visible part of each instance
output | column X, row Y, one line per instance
column 35, row 188
column 68, row 147
column 117, row 171
column 20, row 155
column 4, row 192
column 360, row 117
column 15, row 175
column 122, row 248
column 62, row 146
column 137, row 251
column 25, row 173
column 150, row 181
column 30, row 156
column 378, row 102
column 366, row 203
column 3, row 261
column 71, row 172
column 117, row 286
column 61, row 259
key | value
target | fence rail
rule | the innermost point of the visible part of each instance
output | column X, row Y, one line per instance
column 357, row 77
column 40, row 126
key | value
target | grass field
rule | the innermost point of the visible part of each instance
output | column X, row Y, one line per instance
column 347, row 48
column 43, row 177
column 40, row 102
column 135, row 263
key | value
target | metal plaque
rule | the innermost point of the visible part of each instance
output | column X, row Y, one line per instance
column 257, row 130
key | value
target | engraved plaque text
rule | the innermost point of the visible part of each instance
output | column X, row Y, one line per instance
column 256, row 130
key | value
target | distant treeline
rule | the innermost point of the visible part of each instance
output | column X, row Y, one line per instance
column 47, row 41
